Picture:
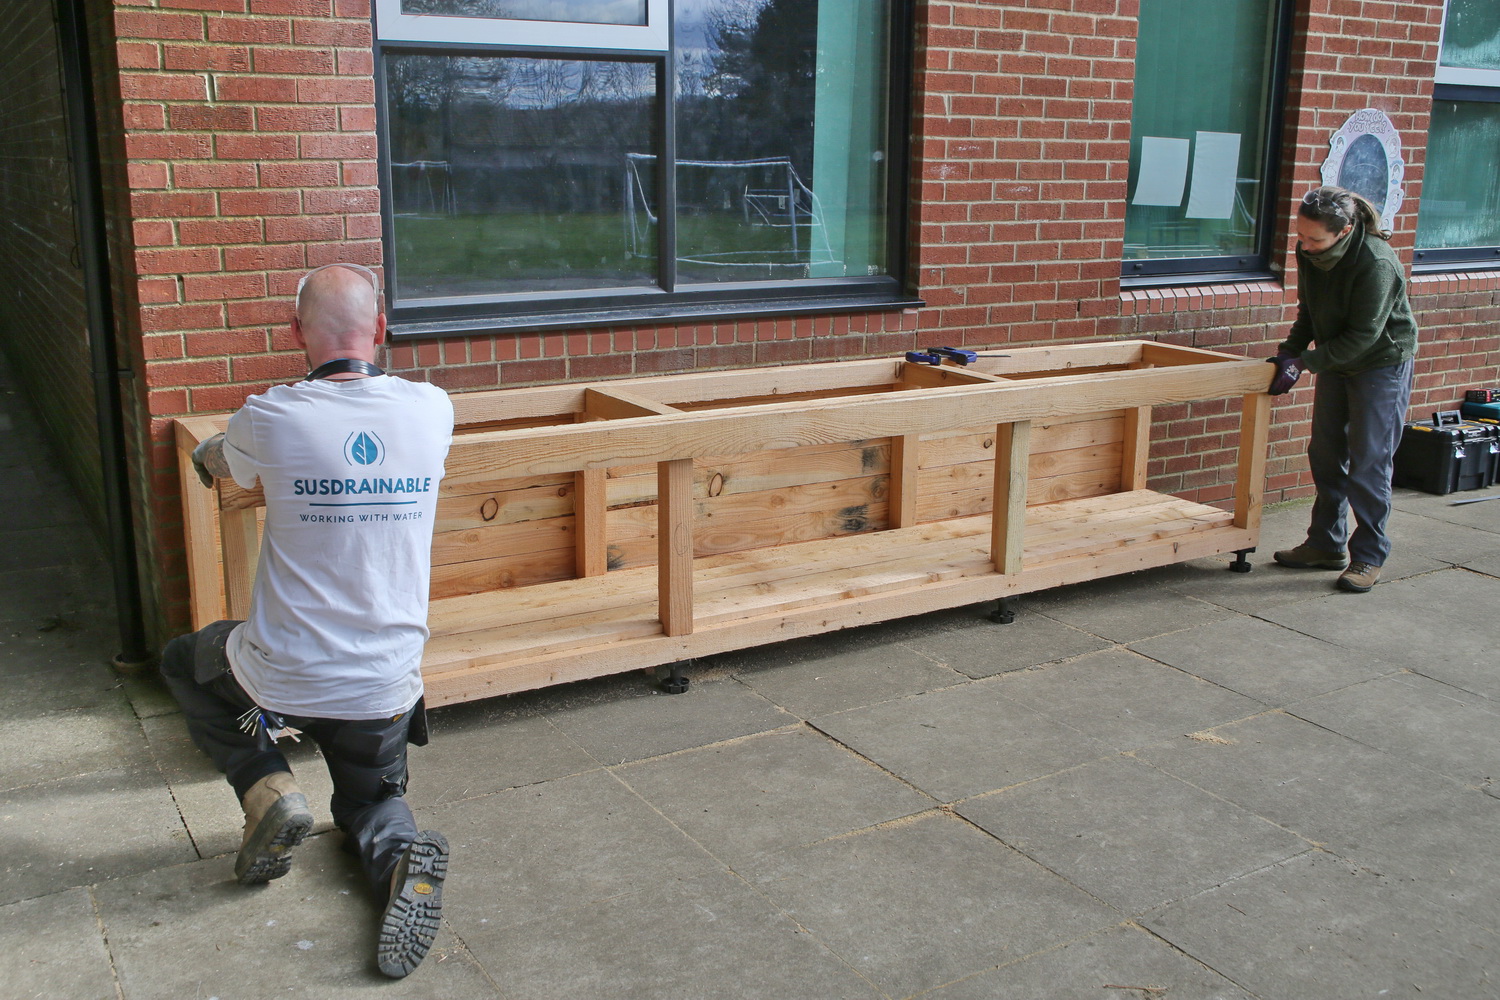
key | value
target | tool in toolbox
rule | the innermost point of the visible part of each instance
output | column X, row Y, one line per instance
column 937, row 355
column 1482, row 396
column 1447, row 454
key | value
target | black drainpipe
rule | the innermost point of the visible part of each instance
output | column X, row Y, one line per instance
column 93, row 247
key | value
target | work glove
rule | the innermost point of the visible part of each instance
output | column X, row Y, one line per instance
column 1288, row 371
column 199, row 454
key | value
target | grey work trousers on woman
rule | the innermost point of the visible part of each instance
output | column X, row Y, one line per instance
column 366, row 758
column 1356, row 426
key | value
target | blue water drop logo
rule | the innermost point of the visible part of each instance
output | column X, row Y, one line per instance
column 364, row 448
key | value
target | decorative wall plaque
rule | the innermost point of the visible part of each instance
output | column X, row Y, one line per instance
column 1365, row 157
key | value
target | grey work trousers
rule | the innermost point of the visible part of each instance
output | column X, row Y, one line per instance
column 1356, row 426
column 366, row 758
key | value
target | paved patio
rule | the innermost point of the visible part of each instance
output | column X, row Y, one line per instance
column 1180, row 784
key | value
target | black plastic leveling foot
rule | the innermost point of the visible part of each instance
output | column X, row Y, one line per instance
column 1241, row 564
column 1005, row 611
column 671, row 677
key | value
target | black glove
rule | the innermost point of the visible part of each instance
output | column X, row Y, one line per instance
column 1288, row 371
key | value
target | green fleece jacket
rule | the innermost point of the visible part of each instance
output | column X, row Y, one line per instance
column 1357, row 312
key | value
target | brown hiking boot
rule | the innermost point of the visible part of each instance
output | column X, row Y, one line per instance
column 1305, row 556
column 276, row 820
column 1359, row 577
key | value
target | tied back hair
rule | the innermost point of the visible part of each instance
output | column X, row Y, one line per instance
column 1336, row 207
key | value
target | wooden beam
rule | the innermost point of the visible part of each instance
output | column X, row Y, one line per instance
column 590, row 505
column 241, row 540
column 536, row 451
column 902, row 495
column 915, row 376
column 1172, row 354
column 1012, row 455
column 1137, row 448
column 1250, row 481
column 674, row 551
column 618, row 404
column 200, row 527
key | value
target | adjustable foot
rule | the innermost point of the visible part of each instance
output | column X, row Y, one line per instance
column 671, row 678
column 1005, row 611
column 1241, row 564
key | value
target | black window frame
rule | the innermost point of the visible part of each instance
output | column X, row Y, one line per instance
column 1478, row 258
column 1169, row 272
column 664, row 302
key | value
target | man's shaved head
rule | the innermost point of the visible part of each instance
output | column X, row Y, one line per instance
column 338, row 314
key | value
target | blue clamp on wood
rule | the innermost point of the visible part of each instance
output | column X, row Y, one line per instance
column 924, row 358
column 958, row 354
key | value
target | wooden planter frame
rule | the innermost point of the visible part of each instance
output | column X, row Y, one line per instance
column 495, row 631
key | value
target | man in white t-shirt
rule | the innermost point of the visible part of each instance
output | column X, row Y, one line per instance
column 349, row 460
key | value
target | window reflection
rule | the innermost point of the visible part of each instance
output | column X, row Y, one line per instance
column 579, row 11
column 508, row 174
column 781, row 138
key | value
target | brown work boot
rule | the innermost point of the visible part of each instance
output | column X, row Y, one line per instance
column 1305, row 556
column 276, row 820
column 1359, row 577
column 415, row 909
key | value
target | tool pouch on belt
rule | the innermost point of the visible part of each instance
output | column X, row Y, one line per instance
column 416, row 732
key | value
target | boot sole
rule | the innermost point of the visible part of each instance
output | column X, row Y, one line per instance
column 1297, row 564
column 412, row 917
column 1354, row 588
column 267, row 855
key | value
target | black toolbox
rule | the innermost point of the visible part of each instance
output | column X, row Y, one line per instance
column 1447, row 454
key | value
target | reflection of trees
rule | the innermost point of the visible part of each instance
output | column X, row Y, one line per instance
column 755, row 95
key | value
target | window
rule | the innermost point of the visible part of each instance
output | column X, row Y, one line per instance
column 566, row 162
column 1204, row 136
column 1458, row 220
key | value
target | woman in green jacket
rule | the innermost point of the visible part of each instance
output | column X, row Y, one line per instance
column 1355, row 331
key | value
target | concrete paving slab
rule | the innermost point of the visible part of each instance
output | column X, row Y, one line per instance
column 475, row 750
column 1440, row 540
column 191, row 931
column 566, row 844
column 1442, row 507
column 709, row 936
column 60, row 744
column 1441, row 625
column 84, row 686
column 1124, row 608
column 978, row 647
column 1122, row 963
column 708, row 712
column 207, row 803
column 1317, row 927
column 1331, row 789
column 925, row 902
column 78, row 831
column 1265, row 587
column 1264, row 661
column 963, row 741
column 1417, row 719
column 52, row 597
column 842, row 679
column 1129, row 834
column 1393, row 818
column 770, row 792
column 1126, row 700
column 52, row 948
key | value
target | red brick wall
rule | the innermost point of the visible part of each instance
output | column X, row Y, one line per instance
column 250, row 136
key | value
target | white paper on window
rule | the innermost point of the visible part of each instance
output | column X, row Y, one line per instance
column 1163, row 171
column 1216, row 164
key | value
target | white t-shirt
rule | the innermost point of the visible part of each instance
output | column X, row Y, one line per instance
column 338, row 614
